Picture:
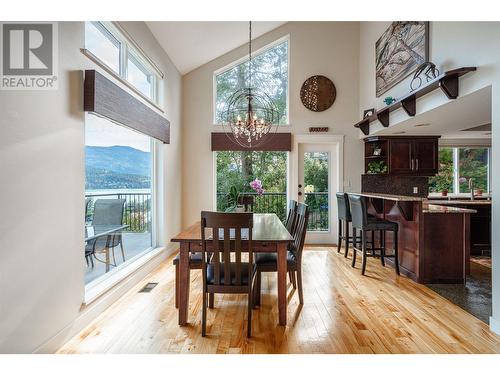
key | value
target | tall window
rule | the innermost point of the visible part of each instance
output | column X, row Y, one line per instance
column 118, row 196
column 457, row 165
column 269, row 73
column 103, row 44
column 109, row 46
column 235, row 171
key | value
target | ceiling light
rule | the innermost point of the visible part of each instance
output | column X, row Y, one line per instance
column 401, row 132
column 421, row 125
column 250, row 113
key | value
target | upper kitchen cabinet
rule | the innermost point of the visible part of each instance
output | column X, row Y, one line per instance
column 416, row 156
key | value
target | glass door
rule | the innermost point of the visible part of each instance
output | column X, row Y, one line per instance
column 314, row 189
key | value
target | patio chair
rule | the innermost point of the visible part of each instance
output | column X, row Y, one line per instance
column 107, row 212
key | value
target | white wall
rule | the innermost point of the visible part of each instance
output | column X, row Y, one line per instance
column 452, row 45
column 42, row 194
column 327, row 48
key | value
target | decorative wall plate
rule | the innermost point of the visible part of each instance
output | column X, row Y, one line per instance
column 318, row 93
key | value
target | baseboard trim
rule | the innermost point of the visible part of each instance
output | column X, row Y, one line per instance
column 494, row 326
column 92, row 310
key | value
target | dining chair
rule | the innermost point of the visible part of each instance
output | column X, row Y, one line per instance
column 268, row 262
column 107, row 212
column 247, row 201
column 290, row 220
column 222, row 273
column 361, row 221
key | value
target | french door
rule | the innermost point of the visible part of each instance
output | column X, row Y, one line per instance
column 317, row 184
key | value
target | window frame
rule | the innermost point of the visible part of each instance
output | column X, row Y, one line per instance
column 214, row 177
column 456, row 167
column 128, row 50
column 101, row 284
column 283, row 39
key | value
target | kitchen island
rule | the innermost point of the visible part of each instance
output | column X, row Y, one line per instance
column 480, row 221
column 433, row 240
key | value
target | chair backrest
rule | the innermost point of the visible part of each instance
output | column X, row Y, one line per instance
column 88, row 201
column 228, row 230
column 247, row 201
column 290, row 220
column 108, row 212
column 302, row 218
column 358, row 211
column 343, row 209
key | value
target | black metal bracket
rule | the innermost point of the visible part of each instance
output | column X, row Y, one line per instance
column 406, row 209
column 365, row 127
column 449, row 85
column 410, row 105
column 378, row 205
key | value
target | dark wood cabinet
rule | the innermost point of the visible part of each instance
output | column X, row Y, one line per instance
column 410, row 156
column 425, row 156
column 400, row 156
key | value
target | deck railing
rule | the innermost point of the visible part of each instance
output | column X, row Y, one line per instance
column 277, row 203
column 318, row 211
column 137, row 211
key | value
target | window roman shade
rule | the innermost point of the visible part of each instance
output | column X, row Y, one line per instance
column 276, row 142
column 104, row 98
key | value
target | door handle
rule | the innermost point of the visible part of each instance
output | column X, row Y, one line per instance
column 416, row 160
column 411, row 165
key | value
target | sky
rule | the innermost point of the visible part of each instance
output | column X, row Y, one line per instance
column 104, row 133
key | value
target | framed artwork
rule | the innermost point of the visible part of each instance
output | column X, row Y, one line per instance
column 368, row 112
column 399, row 51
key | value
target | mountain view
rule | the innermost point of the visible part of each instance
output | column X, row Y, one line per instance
column 117, row 167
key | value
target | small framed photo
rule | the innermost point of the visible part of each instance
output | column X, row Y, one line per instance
column 368, row 112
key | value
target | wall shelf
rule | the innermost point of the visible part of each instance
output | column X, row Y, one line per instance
column 448, row 82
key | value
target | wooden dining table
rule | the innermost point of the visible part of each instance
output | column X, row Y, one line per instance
column 269, row 235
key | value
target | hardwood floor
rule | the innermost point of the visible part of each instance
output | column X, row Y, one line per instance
column 343, row 312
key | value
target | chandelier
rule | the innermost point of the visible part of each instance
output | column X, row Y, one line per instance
column 250, row 113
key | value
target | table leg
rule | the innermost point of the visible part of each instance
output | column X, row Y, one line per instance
column 282, row 271
column 183, row 283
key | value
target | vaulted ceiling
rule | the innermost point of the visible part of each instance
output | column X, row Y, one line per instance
column 192, row 44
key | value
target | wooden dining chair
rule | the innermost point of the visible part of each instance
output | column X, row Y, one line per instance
column 222, row 235
column 247, row 201
column 268, row 262
column 290, row 219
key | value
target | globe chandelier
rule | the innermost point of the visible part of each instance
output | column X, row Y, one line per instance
column 250, row 113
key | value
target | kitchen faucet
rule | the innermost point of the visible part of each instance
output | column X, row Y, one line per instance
column 471, row 187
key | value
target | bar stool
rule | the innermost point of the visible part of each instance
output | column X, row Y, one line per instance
column 361, row 221
column 344, row 217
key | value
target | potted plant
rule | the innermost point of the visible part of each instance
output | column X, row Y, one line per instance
column 377, row 167
column 232, row 200
column 444, row 193
column 256, row 185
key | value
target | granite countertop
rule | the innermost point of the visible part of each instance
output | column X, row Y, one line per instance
column 482, row 202
column 391, row 197
column 437, row 209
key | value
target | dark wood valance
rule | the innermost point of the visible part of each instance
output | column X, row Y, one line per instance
column 106, row 99
column 276, row 142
